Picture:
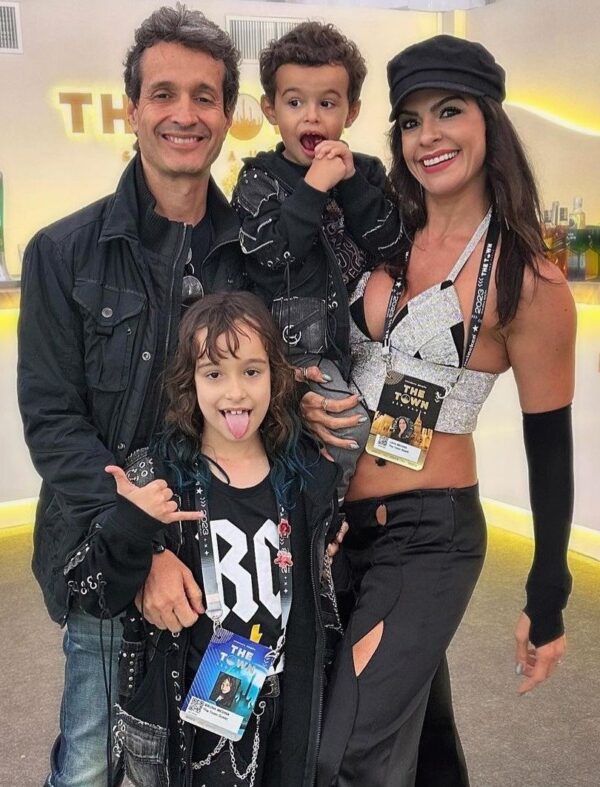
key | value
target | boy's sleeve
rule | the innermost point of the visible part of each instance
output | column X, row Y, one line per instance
column 372, row 218
column 276, row 229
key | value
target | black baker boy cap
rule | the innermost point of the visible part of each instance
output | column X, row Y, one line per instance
column 444, row 62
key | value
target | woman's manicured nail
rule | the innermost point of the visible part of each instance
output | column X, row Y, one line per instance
column 519, row 669
column 326, row 377
column 354, row 445
column 362, row 419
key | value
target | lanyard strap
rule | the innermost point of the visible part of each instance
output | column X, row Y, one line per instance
column 492, row 226
column 483, row 286
column 214, row 605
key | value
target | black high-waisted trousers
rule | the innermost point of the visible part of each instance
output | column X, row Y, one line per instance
column 415, row 573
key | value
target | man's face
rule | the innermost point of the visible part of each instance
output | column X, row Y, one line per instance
column 180, row 118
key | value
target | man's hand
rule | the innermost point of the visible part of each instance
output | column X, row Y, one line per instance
column 330, row 148
column 171, row 597
column 536, row 664
column 156, row 499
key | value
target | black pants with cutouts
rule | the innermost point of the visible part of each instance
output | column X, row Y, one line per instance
column 416, row 573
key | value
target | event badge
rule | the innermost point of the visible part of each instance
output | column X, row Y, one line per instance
column 404, row 421
column 227, row 684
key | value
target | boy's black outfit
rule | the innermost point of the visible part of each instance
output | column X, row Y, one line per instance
column 304, row 243
column 154, row 670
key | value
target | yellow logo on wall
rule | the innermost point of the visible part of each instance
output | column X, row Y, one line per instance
column 247, row 118
column 89, row 113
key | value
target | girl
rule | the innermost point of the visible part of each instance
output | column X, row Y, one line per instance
column 471, row 296
column 256, row 503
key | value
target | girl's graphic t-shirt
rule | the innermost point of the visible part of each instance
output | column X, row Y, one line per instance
column 245, row 541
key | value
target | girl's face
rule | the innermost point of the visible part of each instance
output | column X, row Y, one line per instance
column 225, row 686
column 234, row 392
column 443, row 141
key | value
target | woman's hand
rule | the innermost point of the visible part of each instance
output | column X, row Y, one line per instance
column 316, row 410
column 536, row 664
column 322, row 416
column 156, row 498
column 334, row 546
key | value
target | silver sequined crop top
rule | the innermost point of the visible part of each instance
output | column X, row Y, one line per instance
column 426, row 341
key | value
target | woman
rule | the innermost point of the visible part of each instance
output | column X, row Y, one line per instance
column 472, row 296
column 402, row 428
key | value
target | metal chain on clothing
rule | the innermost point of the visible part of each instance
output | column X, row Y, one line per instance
column 328, row 590
column 252, row 767
column 209, row 757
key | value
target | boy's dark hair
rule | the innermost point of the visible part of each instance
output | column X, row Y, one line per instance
column 313, row 44
column 192, row 29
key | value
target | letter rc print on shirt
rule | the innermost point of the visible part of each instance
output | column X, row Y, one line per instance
column 230, row 566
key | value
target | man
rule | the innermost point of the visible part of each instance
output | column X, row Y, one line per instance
column 103, row 290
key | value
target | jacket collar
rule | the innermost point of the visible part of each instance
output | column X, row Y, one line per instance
column 274, row 163
column 131, row 214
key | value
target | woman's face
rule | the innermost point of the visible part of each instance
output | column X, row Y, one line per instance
column 402, row 425
column 443, row 141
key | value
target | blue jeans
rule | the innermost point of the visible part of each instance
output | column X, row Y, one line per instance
column 78, row 756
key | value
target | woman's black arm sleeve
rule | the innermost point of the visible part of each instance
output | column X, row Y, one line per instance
column 549, row 447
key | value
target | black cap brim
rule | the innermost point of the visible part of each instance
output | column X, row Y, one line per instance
column 443, row 84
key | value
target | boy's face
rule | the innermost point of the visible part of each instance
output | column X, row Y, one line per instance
column 311, row 105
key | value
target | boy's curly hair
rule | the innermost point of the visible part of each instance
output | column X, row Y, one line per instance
column 313, row 44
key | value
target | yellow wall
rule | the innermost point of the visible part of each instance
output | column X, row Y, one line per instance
column 550, row 51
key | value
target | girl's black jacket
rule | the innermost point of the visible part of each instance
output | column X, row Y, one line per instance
column 105, row 573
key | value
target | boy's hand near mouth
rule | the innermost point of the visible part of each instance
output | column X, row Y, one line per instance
column 333, row 162
column 330, row 148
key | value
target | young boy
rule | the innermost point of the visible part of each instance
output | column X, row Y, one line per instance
column 314, row 216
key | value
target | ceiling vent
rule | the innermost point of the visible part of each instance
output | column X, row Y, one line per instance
column 11, row 40
column 253, row 33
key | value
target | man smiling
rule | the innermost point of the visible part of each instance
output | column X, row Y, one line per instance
column 103, row 291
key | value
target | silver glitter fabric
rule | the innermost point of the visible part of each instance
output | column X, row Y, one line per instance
column 424, row 329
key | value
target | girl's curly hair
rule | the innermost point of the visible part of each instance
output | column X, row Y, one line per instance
column 230, row 316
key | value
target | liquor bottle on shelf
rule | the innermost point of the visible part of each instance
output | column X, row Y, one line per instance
column 577, row 217
column 563, row 216
column 554, row 240
column 560, row 251
column 592, row 255
column 578, row 242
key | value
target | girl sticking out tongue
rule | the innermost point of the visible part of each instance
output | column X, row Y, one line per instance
column 238, row 422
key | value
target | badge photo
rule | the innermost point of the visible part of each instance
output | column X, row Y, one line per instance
column 403, row 424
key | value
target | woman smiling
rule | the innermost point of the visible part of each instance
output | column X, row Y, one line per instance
column 471, row 295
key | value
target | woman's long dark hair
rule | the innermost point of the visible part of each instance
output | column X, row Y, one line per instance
column 230, row 316
column 513, row 191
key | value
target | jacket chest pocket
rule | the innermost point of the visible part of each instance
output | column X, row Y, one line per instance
column 111, row 319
